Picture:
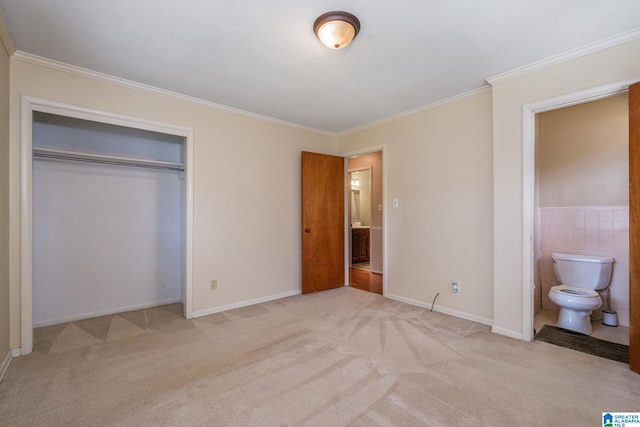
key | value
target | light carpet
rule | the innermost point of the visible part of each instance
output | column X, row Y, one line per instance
column 340, row 357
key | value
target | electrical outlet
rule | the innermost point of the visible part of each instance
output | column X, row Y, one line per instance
column 214, row 285
column 455, row 287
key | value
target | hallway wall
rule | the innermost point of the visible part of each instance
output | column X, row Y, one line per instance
column 438, row 166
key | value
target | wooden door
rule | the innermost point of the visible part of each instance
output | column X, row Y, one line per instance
column 634, row 227
column 323, row 187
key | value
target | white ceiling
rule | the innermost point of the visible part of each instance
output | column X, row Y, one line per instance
column 263, row 57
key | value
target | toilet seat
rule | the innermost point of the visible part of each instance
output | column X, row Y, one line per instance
column 574, row 292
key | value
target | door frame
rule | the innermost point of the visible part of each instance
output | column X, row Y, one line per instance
column 29, row 105
column 529, row 112
column 347, row 219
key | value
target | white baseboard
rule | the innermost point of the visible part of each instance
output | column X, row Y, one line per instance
column 245, row 303
column 103, row 313
column 445, row 310
column 5, row 364
column 506, row 332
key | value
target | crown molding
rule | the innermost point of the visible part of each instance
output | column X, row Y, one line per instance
column 420, row 109
column 130, row 84
column 566, row 56
column 6, row 38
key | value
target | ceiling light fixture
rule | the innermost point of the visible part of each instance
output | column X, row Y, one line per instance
column 336, row 29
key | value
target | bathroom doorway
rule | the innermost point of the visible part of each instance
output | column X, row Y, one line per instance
column 365, row 221
column 581, row 203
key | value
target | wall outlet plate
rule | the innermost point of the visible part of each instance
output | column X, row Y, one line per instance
column 214, row 284
column 455, row 287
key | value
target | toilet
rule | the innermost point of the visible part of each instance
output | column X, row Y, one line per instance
column 581, row 276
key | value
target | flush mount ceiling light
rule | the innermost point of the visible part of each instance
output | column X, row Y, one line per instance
column 336, row 29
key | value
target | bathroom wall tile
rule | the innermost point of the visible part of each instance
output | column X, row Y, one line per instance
column 579, row 214
column 620, row 281
column 544, row 218
column 619, row 292
column 545, row 246
column 621, row 306
column 565, row 218
column 565, row 239
column 578, row 240
column 552, row 234
column 605, row 214
column 605, row 225
column 591, row 241
column 621, row 214
column 605, row 248
column 621, row 243
column 619, row 302
column 591, row 215
column 592, row 225
column 579, row 225
column 599, row 231
column 605, row 235
column 550, row 219
column 553, row 246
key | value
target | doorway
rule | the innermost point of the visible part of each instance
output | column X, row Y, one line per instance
column 32, row 106
column 582, row 203
column 528, row 179
column 365, row 221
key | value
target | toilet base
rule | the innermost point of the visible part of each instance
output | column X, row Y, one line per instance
column 575, row 320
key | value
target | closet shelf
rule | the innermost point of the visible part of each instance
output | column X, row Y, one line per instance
column 49, row 154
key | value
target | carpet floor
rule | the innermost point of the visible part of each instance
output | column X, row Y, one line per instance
column 334, row 358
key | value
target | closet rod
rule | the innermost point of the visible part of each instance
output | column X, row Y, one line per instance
column 49, row 154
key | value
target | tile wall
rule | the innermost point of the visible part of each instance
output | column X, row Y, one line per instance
column 583, row 230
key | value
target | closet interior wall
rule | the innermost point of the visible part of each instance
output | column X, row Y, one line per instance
column 108, row 235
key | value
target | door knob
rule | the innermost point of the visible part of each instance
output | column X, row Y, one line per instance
column 307, row 230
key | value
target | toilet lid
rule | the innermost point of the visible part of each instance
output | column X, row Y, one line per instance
column 573, row 291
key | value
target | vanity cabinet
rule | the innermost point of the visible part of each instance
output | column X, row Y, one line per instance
column 359, row 245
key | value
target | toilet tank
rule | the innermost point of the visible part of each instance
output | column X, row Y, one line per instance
column 582, row 271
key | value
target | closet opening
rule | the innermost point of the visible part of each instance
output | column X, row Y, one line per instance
column 107, row 208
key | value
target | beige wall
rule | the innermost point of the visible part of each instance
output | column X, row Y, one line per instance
column 582, row 154
column 4, row 202
column 438, row 166
column 509, row 97
column 246, row 184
